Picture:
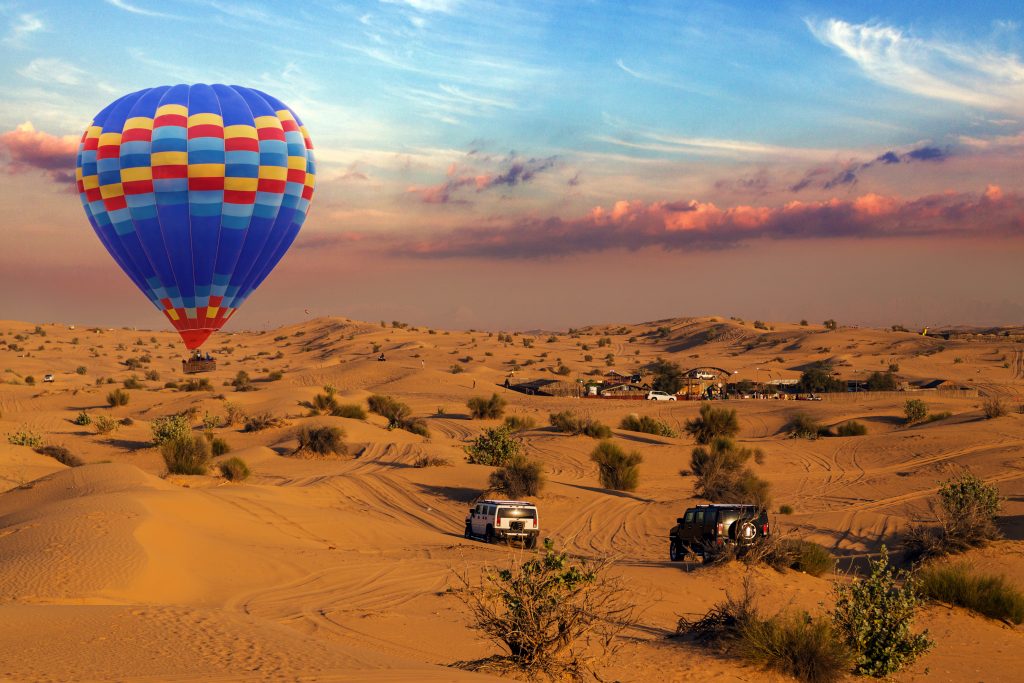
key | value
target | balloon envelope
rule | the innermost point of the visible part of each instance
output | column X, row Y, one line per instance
column 196, row 191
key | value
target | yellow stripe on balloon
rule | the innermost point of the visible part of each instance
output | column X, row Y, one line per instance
column 139, row 173
column 139, row 123
column 241, row 184
column 170, row 158
column 240, row 131
column 164, row 110
column 273, row 172
column 111, row 191
column 110, row 139
column 297, row 163
column 267, row 122
column 205, row 170
column 206, row 119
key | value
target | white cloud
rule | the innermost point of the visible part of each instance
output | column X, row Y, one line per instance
column 972, row 75
column 135, row 9
column 52, row 70
column 446, row 6
column 23, row 26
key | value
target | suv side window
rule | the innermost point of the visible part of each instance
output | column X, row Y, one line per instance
column 688, row 519
column 700, row 517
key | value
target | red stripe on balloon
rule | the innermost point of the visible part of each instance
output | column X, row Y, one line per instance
column 241, row 145
column 170, row 171
column 137, row 186
column 170, row 120
column 108, row 152
column 214, row 183
column 268, row 185
column 296, row 175
column 270, row 134
column 205, row 130
column 137, row 135
column 239, row 197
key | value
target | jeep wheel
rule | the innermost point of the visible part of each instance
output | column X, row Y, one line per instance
column 675, row 551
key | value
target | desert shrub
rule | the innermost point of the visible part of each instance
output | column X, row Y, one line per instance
column 550, row 615
column 520, row 423
column 668, row 376
column 242, row 382
column 935, row 417
column 723, row 476
column 616, row 469
column 994, row 407
column 234, row 469
column 456, row 369
column 496, row 446
column 398, row 414
column 25, row 438
column 260, row 421
column 569, row 422
column 196, row 384
column 851, row 428
column 117, row 397
column 275, row 376
column 915, row 410
column 126, row 422
column 82, row 419
column 219, row 447
column 132, row 383
column 882, row 381
column 486, row 408
column 798, row 645
column 186, row 455
column 418, row 426
column 987, row 594
column 30, row 380
column 321, row 440
column 964, row 519
column 647, row 425
column 797, row 554
column 170, row 427
column 712, row 424
column 874, row 615
column 104, row 425
column 153, row 375
column 60, row 454
column 232, row 414
column 81, row 370
column 803, row 426
column 431, row 461
column 785, row 509
column 170, row 385
column 327, row 404
column 722, row 625
column 211, row 421
column 518, row 478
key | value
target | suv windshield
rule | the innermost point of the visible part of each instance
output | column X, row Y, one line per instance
column 518, row 513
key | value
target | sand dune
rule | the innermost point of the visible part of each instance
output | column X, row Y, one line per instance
column 338, row 569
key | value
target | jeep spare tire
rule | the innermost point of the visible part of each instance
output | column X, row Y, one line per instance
column 747, row 532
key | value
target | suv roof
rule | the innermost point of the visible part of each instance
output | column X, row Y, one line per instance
column 505, row 502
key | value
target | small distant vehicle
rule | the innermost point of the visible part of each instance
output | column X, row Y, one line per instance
column 660, row 396
column 381, row 358
column 47, row 377
column 703, row 374
column 706, row 527
column 809, row 397
column 504, row 520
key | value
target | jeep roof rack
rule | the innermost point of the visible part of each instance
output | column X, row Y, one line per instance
column 490, row 501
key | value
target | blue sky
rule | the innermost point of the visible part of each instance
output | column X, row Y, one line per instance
column 444, row 127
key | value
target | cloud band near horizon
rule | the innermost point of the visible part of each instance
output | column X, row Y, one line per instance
column 698, row 226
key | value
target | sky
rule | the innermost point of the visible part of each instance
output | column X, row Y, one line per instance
column 541, row 164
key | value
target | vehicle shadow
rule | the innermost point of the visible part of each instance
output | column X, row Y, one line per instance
column 459, row 494
column 610, row 492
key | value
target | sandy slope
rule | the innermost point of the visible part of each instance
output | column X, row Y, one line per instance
column 338, row 569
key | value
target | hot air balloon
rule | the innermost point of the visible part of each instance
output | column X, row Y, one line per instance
column 197, row 191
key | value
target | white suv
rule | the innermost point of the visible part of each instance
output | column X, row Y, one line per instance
column 660, row 396
column 504, row 520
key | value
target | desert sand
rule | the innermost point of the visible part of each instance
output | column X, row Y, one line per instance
column 339, row 569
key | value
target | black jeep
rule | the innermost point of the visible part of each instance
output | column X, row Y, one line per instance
column 707, row 528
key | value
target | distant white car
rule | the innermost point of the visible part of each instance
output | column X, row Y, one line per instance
column 47, row 378
column 660, row 396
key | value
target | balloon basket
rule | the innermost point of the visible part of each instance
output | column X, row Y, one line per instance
column 191, row 367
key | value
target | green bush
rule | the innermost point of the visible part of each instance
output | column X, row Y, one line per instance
column 723, row 475
column 30, row 380
column 398, row 414
column 965, row 519
column 874, row 616
column 518, row 478
column 803, row 426
column 327, row 404
column 25, row 438
column 234, row 469
column 60, row 454
column 987, row 594
column 520, row 423
column 456, row 369
column 321, row 440
column 486, row 408
column 82, row 419
column 196, row 384
column 617, row 469
column 915, row 410
column 104, row 425
column 186, row 455
column 170, row 427
column 220, row 447
column 275, row 376
column 713, row 423
column 798, row 645
column 796, row 554
column 785, row 509
column 81, row 370
column 242, row 382
column 153, row 375
column 994, row 407
column 851, row 428
column 117, row 397
column 647, row 425
column 431, row 461
column 132, row 383
column 569, row 422
column 496, row 446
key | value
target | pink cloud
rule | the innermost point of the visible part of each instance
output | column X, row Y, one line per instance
column 30, row 149
column 515, row 171
column 696, row 226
